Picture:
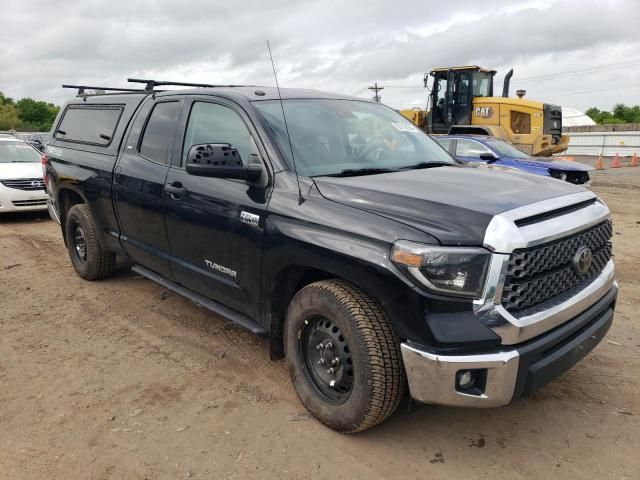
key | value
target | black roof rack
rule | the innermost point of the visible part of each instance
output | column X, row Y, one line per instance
column 151, row 84
column 82, row 88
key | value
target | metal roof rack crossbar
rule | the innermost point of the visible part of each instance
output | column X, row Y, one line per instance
column 82, row 88
column 150, row 84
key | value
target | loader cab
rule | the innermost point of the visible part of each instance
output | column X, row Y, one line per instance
column 452, row 93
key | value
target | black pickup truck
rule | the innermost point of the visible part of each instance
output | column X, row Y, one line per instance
column 370, row 259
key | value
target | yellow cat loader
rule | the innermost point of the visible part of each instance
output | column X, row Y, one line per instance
column 462, row 101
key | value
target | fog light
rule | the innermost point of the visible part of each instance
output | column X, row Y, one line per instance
column 465, row 379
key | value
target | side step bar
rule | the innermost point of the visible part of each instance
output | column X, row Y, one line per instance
column 215, row 307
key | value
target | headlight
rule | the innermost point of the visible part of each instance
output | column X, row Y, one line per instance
column 453, row 270
column 560, row 175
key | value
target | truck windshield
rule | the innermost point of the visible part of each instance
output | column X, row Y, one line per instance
column 505, row 149
column 13, row 152
column 330, row 137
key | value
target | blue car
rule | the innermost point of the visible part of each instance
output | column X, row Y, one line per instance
column 491, row 150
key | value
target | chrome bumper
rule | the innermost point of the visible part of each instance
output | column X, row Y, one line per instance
column 502, row 376
column 432, row 377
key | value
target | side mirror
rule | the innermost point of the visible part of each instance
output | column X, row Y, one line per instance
column 488, row 156
column 220, row 160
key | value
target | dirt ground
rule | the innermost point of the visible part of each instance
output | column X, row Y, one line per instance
column 118, row 379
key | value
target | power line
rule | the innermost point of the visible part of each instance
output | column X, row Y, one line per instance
column 355, row 94
column 550, row 76
column 599, row 68
column 566, row 94
column 569, row 93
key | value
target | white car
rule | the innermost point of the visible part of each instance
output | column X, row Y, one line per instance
column 22, row 187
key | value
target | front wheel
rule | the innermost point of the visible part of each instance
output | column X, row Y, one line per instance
column 343, row 358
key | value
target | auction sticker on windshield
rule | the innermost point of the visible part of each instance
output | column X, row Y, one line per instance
column 404, row 127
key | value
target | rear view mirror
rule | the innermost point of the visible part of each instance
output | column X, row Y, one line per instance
column 220, row 160
column 488, row 156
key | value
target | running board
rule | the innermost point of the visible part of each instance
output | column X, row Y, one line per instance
column 215, row 307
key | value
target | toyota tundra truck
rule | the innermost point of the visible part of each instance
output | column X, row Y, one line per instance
column 370, row 259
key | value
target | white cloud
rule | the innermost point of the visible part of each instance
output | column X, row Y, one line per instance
column 326, row 44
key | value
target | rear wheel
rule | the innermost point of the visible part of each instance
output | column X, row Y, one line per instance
column 87, row 256
column 343, row 358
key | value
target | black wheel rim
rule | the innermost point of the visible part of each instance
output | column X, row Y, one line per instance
column 80, row 243
column 326, row 359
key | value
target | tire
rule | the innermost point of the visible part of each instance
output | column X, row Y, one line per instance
column 88, row 258
column 369, row 378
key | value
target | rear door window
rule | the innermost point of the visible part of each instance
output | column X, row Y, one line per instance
column 158, row 132
column 90, row 124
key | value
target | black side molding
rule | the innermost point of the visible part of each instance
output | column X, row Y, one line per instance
column 215, row 307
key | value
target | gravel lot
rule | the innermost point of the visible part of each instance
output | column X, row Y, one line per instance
column 120, row 379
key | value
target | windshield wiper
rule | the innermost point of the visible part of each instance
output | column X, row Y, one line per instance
column 421, row 165
column 354, row 172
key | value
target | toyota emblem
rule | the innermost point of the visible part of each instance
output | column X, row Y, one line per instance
column 36, row 184
column 582, row 260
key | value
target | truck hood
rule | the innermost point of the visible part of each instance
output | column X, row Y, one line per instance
column 17, row 170
column 453, row 204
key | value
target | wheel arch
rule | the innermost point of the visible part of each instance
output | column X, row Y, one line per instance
column 291, row 278
column 66, row 198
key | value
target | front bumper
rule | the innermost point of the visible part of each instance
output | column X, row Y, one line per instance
column 508, row 373
column 16, row 200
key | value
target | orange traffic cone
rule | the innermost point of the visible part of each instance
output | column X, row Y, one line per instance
column 599, row 163
column 634, row 161
column 615, row 163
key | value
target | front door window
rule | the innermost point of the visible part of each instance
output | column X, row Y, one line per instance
column 215, row 123
column 470, row 149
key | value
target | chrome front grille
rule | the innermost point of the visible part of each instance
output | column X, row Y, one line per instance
column 24, row 183
column 539, row 274
column 528, row 289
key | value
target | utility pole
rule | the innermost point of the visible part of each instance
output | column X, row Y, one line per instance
column 376, row 89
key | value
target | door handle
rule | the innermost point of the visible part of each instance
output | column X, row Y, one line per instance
column 175, row 189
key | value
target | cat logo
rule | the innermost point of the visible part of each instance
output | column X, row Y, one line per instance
column 483, row 112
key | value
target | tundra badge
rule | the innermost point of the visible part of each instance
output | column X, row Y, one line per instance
column 220, row 268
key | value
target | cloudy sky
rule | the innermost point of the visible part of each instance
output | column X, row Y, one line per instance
column 574, row 53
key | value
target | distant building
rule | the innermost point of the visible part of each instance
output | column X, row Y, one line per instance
column 575, row 118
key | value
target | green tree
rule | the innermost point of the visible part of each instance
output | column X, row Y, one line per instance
column 32, row 112
column 620, row 114
column 9, row 119
column 5, row 100
column 26, row 112
column 36, row 114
